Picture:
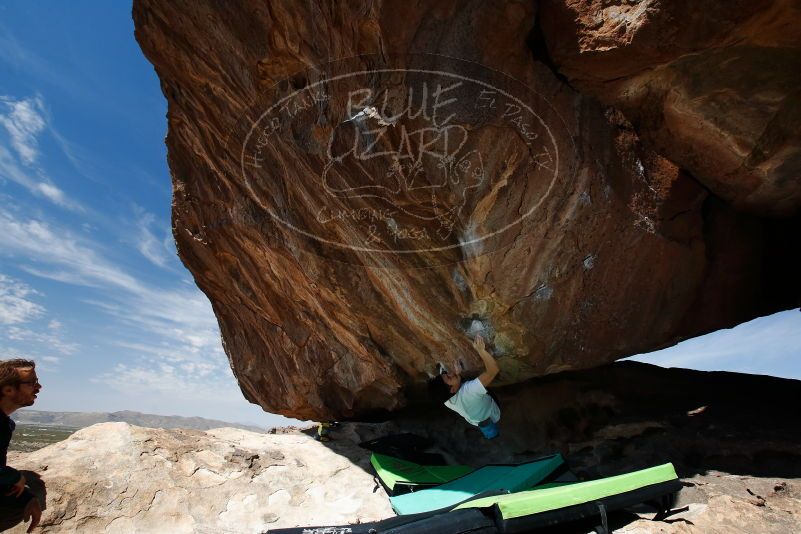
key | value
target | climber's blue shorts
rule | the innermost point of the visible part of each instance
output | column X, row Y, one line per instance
column 488, row 428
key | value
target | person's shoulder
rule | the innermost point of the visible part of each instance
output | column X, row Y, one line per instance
column 474, row 387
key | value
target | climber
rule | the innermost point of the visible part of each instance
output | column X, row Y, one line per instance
column 470, row 398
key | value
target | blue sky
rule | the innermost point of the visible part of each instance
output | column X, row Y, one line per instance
column 90, row 284
column 765, row 346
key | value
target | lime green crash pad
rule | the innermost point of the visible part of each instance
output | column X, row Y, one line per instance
column 510, row 478
column 394, row 471
column 539, row 500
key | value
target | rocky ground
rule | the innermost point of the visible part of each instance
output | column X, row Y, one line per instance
column 113, row 477
column 718, row 502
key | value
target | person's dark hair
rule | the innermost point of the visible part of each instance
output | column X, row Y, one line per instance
column 9, row 376
column 438, row 390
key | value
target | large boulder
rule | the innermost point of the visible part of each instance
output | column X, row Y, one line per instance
column 114, row 477
column 357, row 203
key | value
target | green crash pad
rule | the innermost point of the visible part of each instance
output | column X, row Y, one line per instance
column 394, row 471
column 488, row 478
column 538, row 500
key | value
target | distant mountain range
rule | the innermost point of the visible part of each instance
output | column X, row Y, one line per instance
column 84, row 419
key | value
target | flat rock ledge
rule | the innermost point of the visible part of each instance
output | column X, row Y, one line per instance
column 114, row 477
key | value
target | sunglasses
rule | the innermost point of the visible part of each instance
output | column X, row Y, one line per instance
column 31, row 382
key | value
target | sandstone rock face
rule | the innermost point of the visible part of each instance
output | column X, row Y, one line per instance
column 714, row 86
column 113, row 477
column 355, row 221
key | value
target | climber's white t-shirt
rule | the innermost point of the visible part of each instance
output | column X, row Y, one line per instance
column 473, row 403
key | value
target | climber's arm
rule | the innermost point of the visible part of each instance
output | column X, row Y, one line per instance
column 491, row 369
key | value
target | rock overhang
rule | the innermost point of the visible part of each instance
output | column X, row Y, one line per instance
column 323, row 316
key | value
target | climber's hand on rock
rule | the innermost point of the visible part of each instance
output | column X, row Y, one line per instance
column 478, row 343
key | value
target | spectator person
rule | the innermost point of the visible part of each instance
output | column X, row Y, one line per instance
column 21, row 493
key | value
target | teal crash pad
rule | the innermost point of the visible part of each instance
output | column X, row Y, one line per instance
column 510, row 478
